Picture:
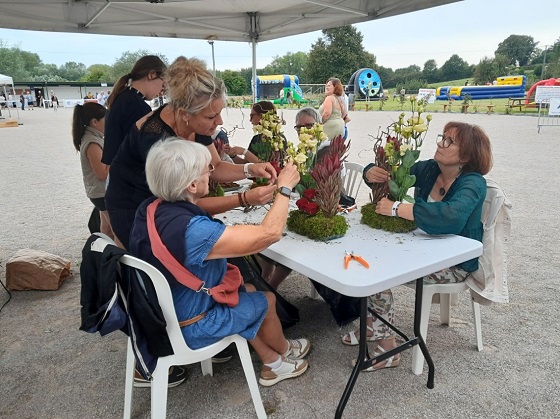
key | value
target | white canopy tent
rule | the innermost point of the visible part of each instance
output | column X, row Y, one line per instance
column 227, row 20
column 8, row 81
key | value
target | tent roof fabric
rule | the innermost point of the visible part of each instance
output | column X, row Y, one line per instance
column 227, row 20
column 5, row 80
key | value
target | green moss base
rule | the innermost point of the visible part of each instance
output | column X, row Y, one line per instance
column 317, row 227
column 382, row 222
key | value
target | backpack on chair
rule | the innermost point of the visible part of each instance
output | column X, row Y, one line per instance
column 489, row 283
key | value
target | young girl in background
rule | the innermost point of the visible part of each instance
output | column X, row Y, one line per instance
column 88, row 126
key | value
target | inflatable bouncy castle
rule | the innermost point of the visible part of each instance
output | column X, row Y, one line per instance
column 365, row 83
column 503, row 87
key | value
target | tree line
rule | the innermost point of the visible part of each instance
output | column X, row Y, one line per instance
column 339, row 52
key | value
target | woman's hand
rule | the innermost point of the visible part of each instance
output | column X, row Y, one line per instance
column 263, row 170
column 233, row 151
column 377, row 175
column 289, row 176
column 260, row 195
column 384, row 207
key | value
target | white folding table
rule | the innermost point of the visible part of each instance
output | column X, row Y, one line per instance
column 394, row 259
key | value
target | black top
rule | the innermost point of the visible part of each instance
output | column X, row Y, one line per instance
column 129, row 106
column 127, row 178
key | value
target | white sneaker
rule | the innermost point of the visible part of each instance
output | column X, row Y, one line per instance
column 290, row 368
column 297, row 348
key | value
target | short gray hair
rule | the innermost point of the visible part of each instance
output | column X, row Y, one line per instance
column 172, row 165
column 309, row 111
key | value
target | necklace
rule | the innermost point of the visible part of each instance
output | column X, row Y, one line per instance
column 442, row 190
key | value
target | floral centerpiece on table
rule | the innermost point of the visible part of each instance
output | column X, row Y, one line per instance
column 272, row 146
column 396, row 149
column 320, row 186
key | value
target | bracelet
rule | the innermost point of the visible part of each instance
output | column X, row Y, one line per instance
column 245, row 199
column 246, row 170
column 395, row 209
column 244, row 152
column 239, row 197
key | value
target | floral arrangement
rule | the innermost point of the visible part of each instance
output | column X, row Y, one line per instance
column 272, row 147
column 316, row 216
column 396, row 149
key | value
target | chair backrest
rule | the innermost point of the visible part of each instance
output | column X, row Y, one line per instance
column 352, row 179
column 490, row 280
column 161, row 287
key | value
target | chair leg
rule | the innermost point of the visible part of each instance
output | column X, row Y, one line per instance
column 477, row 325
column 313, row 292
column 247, row 364
column 444, row 306
column 417, row 357
column 159, row 392
column 129, row 381
column 207, row 367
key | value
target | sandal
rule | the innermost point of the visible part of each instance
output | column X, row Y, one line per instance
column 390, row 362
column 351, row 338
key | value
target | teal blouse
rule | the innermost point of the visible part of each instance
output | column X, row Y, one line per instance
column 459, row 211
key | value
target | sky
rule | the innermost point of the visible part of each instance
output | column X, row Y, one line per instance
column 471, row 28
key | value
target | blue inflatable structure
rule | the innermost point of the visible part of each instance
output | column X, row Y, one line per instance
column 504, row 87
column 365, row 83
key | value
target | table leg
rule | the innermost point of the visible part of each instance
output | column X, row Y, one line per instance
column 419, row 337
column 361, row 356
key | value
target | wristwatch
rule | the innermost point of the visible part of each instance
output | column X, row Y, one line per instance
column 284, row 190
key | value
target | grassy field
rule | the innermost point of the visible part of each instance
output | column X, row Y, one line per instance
column 500, row 106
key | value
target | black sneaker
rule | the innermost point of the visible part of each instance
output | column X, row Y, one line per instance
column 177, row 375
column 223, row 356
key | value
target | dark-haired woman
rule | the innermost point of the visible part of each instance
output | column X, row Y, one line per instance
column 88, row 125
column 127, row 102
column 449, row 193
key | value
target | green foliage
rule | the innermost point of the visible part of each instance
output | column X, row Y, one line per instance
column 339, row 53
column 455, row 68
column 317, row 227
column 517, row 48
column 430, row 71
column 290, row 63
column 98, row 73
column 13, row 62
column 72, row 71
column 126, row 61
column 486, row 71
column 235, row 82
column 382, row 222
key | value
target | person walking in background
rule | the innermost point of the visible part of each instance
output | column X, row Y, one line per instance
column 29, row 98
column 333, row 109
column 88, row 125
column 39, row 97
column 127, row 102
column 54, row 101
column 22, row 100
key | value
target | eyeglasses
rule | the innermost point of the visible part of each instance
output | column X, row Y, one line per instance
column 210, row 169
column 445, row 141
column 307, row 126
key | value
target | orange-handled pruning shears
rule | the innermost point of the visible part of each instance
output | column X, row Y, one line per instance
column 351, row 256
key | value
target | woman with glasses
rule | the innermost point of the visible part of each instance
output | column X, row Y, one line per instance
column 255, row 116
column 127, row 102
column 196, row 99
column 177, row 173
column 449, row 193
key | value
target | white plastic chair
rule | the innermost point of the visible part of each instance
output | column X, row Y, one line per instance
column 351, row 182
column 446, row 293
column 182, row 354
column 493, row 205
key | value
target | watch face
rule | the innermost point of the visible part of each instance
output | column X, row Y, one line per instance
column 285, row 191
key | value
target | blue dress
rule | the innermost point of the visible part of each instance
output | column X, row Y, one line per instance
column 244, row 319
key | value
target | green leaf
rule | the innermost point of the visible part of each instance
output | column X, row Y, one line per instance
column 408, row 159
column 393, row 188
column 410, row 199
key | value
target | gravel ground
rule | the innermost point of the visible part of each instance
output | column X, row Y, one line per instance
column 50, row 369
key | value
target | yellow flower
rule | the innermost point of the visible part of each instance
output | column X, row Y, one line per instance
column 420, row 128
column 300, row 158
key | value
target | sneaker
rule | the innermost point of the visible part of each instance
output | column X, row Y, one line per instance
column 177, row 375
column 223, row 356
column 297, row 348
column 290, row 368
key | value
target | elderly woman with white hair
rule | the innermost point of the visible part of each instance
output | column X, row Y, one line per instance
column 196, row 99
column 177, row 173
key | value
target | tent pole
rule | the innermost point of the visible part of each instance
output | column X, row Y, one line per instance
column 254, row 75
